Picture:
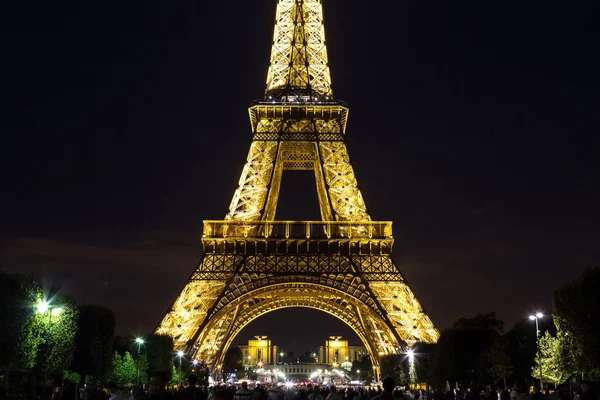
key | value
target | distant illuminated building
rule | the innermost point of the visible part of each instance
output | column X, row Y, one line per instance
column 337, row 352
column 259, row 351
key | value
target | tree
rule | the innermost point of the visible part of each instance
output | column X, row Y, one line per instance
column 553, row 367
column 159, row 351
column 498, row 361
column 93, row 341
column 576, row 310
column 59, row 330
column 521, row 347
column 233, row 361
column 390, row 365
column 461, row 350
column 31, row 337
column 123, row 370
column 20, row 330
column 177, row 376
column 424, row 365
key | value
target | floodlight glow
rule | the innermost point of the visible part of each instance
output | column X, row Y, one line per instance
column 539, row 315
column 289, row 385
column 195, row 362
column 410, row 353
column 56, row 311
column 43, row 306
column 139, row 340
column 532, row 317
column 180, row 353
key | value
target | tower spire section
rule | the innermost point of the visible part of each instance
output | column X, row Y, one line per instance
column 298, row 68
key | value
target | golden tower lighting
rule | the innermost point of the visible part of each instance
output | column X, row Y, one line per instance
column 253, row 264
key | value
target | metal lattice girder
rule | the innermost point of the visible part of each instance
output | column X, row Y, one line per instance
column 299, row 55
column 250, row 196
column 405, row 312
column 344, row 194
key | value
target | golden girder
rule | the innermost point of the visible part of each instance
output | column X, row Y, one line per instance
column 299, row 55
column 253, row 264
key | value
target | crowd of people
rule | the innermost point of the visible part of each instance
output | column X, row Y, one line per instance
column 389, row 391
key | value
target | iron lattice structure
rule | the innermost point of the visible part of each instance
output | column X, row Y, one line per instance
column 253, row 264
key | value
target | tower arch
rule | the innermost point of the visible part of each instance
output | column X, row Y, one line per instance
column 218, row 334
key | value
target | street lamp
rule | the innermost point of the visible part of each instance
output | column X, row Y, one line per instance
column 281, row 357
column 139, row 342
column 536, row 317
column 358, row 373
column 44, row 307
column 180, row 355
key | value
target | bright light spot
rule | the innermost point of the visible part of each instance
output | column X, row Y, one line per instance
column 539, row 315
column 180, row 353
column 56, row 311
column 410, row 353
column 139, row 340
column 195, row 362
column 43, row 306
column 358, row 371
column 289, row 385
column 532, row 317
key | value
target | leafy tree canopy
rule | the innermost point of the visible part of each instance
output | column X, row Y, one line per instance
column 93, row 342
column 576, row 307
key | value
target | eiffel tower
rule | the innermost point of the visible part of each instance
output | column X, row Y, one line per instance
column 253, row 264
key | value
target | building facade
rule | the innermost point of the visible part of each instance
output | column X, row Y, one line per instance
column 337, row 352
column 258, row 352
column 302, row 372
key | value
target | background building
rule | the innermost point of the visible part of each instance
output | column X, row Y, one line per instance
column 337, row 352
column 259, row 352
column 302, row 372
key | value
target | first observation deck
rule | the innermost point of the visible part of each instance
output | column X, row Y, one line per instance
column 348, row 237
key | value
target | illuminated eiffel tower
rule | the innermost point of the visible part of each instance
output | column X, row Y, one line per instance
column 253, row 264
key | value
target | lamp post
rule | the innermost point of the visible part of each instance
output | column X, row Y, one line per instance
column 536, row 317
column 139, row 342
column 412, row 372
column 281, row 357
column 44, row 307
column 180, row 355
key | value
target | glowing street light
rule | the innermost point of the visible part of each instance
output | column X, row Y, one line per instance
column 536, row 317
column 44, row 307
column 180, row 355
column 139, row 342
column 410, row 353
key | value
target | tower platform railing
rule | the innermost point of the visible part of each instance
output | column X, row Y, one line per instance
column 308, row 230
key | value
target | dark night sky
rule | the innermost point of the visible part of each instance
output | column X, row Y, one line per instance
column 473, row 127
